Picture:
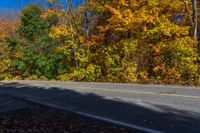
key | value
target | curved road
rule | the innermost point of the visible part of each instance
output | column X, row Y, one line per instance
column 153, row 109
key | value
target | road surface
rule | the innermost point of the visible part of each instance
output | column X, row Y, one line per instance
column 153, row 109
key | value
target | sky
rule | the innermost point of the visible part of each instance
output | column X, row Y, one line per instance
column 19, row 4
column 14, row 4
column 11, row 8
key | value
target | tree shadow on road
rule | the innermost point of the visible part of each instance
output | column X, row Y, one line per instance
column 161, row 117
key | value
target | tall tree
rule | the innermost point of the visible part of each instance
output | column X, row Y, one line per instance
column 32, row 25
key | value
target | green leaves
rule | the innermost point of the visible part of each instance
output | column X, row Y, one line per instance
column 19, row 65
column 32, row 25
column 104, row 40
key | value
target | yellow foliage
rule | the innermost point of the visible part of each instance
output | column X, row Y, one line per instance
column 61, row 31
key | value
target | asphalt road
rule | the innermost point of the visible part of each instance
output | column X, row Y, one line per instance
column 22, row 116
column 146, row 108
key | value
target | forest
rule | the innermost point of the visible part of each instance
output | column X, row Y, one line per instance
column 118, row 41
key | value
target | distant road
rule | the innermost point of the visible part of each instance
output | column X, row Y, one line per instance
column 146, row 108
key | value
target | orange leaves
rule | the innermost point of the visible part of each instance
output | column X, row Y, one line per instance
column 95, row 40
column 157, row 49
column 142, row 33
column 113, row 10
column 113, row 40
column 7, row 28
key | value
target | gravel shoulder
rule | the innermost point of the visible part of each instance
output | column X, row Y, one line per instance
column 21, row 116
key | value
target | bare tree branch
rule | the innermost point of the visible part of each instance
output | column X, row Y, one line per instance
column 189, row 14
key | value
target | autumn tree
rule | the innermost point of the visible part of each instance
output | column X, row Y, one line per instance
column 161, row 47
column 143, row 41
column 8, row 27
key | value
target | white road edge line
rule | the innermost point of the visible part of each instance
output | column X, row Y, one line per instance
column 98, row 117
column 109, row 120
